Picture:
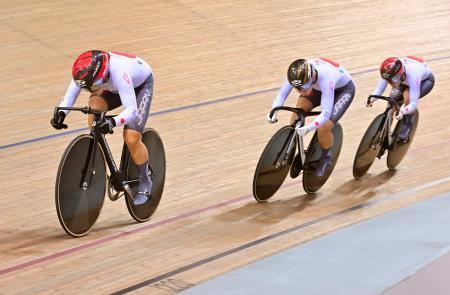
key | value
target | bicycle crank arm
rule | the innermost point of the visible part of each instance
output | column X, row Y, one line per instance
column 116, row 196
column 130, row 181
column 128, row 190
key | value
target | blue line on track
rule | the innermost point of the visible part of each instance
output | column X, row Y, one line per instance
column 192, row 106
column 41, row 138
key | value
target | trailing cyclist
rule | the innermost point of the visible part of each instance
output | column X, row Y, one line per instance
column 410, row 79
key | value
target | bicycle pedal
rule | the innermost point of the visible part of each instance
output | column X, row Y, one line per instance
column 402, row 141
column 147, row 194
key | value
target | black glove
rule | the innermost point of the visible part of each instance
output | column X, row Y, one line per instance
column 107, row 125
column 58, row 119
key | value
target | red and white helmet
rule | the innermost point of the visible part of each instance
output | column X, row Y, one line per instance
column 90, row 68
column 392, row 69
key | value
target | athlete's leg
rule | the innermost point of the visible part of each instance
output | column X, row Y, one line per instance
column 139, row 155
column 401, row 95
column 343, row 98
column 103, row 101
column 307, row 105
column 325, row 135
column 138, row 150
column 425, row 87
column 303, row 103
column 133, row 139
column 397, row 94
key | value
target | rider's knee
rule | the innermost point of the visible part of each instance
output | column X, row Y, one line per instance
column 325, row 128
column 399, row 94
column 98, row 102
column 131, row 139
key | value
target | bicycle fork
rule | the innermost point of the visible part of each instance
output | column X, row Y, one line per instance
column 385, row 138
column 89, row 171
column 293, row 140
column 116, row 174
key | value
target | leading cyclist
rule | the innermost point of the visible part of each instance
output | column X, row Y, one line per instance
column 114, row 79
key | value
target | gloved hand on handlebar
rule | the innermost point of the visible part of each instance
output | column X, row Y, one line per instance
column 107, row 125
column 369, row 101
column 400, row 114
column 302, row 131
column 272, row 119
column 58, row 119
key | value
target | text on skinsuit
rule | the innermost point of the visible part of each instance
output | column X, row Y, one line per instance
column 342, row 102
column 143, row 106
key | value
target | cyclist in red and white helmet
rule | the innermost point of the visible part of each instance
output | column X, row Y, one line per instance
column 410, row 79
column 115, row 79
column 90, row 69
column 320, row 82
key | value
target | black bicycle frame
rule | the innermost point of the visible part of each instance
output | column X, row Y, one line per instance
column 387, row 122
column 117, row 174
column 298, row 121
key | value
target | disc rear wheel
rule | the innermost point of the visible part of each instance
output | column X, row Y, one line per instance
column 400, row 148
column 157, row 163
column 311, row 182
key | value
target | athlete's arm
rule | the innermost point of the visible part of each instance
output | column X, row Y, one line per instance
column 282, row 94
column 381, row 86
column 125, row 88
column 71, row 95
column 414, row 93
column 326, row 104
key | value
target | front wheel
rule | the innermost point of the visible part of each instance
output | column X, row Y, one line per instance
column 157, row 165
column 369, row 147
column 78, row 207
column 273, row 165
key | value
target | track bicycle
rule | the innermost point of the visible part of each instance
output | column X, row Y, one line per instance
column 378, row 139
column 278, row 157
column 82, row 178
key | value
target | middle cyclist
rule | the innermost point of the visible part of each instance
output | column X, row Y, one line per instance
column 320, row 82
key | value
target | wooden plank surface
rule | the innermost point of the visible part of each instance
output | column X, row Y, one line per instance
column 202, row 51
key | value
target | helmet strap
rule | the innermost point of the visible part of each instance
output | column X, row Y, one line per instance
column 106, row 77
column 315, row 75
column 403, row 78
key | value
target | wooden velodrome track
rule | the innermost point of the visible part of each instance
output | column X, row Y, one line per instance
column 217, row 68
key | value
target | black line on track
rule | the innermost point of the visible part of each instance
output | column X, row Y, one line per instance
column 204, row 261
